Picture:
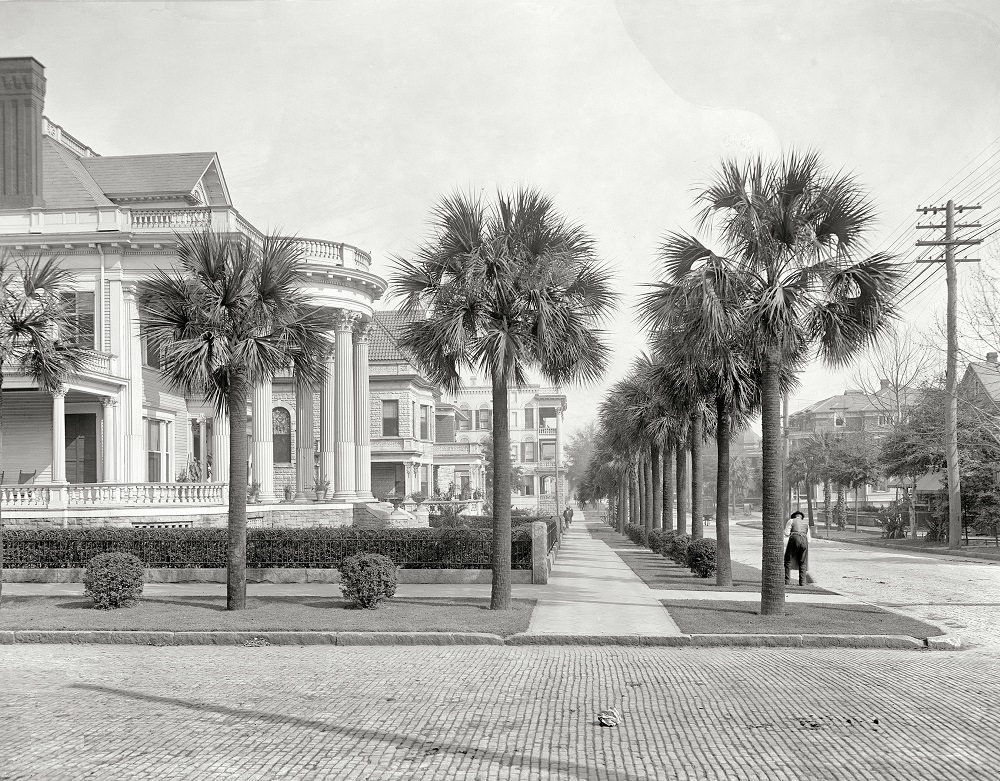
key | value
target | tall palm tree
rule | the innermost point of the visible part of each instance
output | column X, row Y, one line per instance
column 793, row 237
column 507, row 287
column 232, row 314
column 37, row 331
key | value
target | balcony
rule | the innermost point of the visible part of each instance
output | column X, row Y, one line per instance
column 397, row 445
column 168, row 221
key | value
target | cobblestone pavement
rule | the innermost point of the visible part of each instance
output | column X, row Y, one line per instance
column 110, row 712
column 963, row 595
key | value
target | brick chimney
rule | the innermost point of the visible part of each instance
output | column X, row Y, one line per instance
column 991, row 358
column 22, row 97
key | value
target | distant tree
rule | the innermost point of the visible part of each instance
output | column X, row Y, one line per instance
column 579, row 450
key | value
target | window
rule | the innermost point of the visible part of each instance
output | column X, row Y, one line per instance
column 390, row 418
column 529, row 417
column 484, row 420
column 464, row 419
column 839, row 421
column 513, row 420
column 157, row 451
column 81, row 315
column 281, row 433
column 513, row 453
column 548, row 451
column 528, row 452
column 150, row 356
column 425, row 421
column 424, row 480
column 528, row 485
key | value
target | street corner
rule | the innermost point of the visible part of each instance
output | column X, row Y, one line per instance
column 945, row 643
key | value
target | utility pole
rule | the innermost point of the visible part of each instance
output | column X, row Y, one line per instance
column 951, row 413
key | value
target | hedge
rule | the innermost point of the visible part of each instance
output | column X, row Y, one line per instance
column 320, row 548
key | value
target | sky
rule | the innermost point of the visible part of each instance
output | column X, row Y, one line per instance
column 346, row 121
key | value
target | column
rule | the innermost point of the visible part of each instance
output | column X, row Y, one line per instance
column 203, row 448
column 327, row 397
column 135, row 434
column 220, row 448
column 59, row 435
column 262, row 445
column 362, row 415
column 343, row 488
column 303, row 438
column 109, row 445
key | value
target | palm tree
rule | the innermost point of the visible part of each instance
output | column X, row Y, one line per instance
column 37, row 332
column 793, row 236
column 507, row 287
column 230, row 315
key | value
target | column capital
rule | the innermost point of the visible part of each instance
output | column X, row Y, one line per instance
column 361, row 330
column 109, row 401
column 60, row 392
column 344, row 321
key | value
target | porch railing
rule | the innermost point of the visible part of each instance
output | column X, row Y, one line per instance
column 24, row 496
column 111, row 495
column 143, row 494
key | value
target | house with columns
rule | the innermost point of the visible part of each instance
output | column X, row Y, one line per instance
column 117, row 444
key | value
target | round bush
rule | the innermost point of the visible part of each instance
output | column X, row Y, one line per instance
column 679, row 547
column 113, row 580
column 367, row 578
column 666, row 542
column 653, row 540
column 701, row 558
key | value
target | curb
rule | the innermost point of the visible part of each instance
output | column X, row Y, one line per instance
column 166, row 638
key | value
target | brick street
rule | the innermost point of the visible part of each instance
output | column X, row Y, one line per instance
column 107, row 712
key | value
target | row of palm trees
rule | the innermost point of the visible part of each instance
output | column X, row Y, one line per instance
column 507, row 286
column 729, row 329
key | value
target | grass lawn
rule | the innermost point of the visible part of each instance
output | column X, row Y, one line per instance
column 699, row 616
column 325, row 614
column 659, row 572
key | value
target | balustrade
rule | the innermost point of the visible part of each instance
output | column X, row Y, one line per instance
column 170, row 219
column 24, row 496
column 142, row 494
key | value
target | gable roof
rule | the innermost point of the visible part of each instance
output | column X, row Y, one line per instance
column 136, row 175
column 988, row 374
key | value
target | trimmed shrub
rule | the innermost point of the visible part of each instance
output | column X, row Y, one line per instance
column 636, row 533
column 315, row 547
column 666, row 542
column 113, row 580
column 679, row 547
column 701, row 557
column 367, row 578
column 653, row 540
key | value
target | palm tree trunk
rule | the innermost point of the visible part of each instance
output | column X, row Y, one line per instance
column 723, row 557
column 622, row 506
column 500, row 591
column 643, row 505
column 236, row 563
column 841, row 506
column 809, row 503
column 682, row 488
column 668, row 487
column 826, row 505
column 772, row 592
column 697, row 530
column 633, row 499
column 657, row 455
column 647, row 474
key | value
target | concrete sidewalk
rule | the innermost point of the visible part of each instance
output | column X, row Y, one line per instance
column 591, row 591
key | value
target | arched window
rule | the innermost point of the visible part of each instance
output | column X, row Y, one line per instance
column 281, row 433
